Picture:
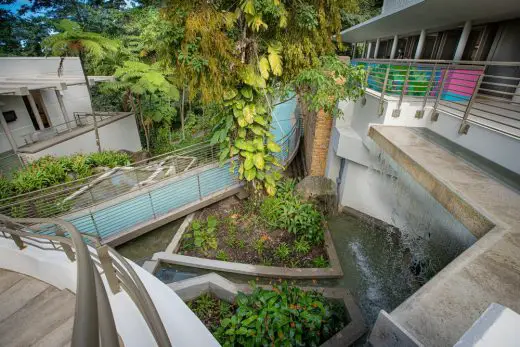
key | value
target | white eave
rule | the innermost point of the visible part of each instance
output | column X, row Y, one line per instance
column 431, row 15
column 21, row 85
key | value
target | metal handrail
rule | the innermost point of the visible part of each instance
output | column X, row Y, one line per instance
column 473, row 91
column 93, row 320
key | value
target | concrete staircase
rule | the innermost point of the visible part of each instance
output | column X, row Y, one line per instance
column 34, row 313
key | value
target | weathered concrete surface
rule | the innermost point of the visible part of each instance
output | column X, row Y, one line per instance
column 441, row 311
column 320, row 190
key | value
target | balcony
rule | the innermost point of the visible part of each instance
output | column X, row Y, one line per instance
column 486, row 94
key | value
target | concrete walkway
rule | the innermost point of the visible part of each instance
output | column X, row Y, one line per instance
column 34, row 313
column 489, row 271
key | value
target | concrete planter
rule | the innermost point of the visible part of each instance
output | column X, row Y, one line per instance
column 226, row 290
column 170, row 256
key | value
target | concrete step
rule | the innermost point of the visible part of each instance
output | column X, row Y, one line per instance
column 35, row 313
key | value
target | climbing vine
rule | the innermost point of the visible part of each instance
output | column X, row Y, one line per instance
column 238, row 54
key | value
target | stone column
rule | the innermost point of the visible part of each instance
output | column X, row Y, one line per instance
column 394, row 47
column 463, row 40
column 35, row 111
column 376, row 49
column 63, row 109
column 420, row 44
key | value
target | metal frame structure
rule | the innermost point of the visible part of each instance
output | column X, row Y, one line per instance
column 483, row 92
column 93, row 320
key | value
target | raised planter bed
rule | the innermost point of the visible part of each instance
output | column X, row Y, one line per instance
column 225, row 290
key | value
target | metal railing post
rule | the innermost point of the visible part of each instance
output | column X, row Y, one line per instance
column 108, row 268
column 382, row 98
column 420, row 113
column 364, row 99
column 397, row 112
column 198, row 185
column 66, row 248
column 464, row 126
column 435, row 113
column 151, row 204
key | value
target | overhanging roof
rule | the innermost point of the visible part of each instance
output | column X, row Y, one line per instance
column 21, row 85
column 432, row 15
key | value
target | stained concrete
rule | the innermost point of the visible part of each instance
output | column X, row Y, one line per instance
column 441, row 311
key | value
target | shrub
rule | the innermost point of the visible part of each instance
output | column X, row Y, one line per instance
column 302, row 246
column 283, row 251
column 202, row 235
column 287, row 211
column 49, row 171
column 222, row 255
column 320, row 262
column 285, row 316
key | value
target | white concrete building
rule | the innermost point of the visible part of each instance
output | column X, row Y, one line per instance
column 450, row 70
column 45, row 113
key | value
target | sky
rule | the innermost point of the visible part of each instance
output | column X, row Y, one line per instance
column 16, row 5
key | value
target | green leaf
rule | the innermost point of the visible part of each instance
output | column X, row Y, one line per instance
column 250, row 174
column 240, row 144
column 230, row 94
column 263, row 66
column 247, row 93
column 242, row 133
column 260, row 120
column 242, row 122
column 224, row 154
column 258, row 160
column 258, row 130
column 248, row 163
column 273, row 147
column 249, row 112
column 275, row 60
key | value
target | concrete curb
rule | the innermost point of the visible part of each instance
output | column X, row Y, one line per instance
column 226, row 290
column 334, row 271
column 173, row 247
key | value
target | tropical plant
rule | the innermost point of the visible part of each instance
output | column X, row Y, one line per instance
column 283, row 316
column 286, row 211
column 302, row 246
column 320, row 262
column 222, row 255
column 283, row 251
column 238, row 55
column 322, row 87
column 149, row 92
column 202, row 234
column 72, row 40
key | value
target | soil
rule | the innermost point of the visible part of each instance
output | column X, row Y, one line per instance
column 239, row 230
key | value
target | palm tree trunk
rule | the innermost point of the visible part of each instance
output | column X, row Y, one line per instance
column 96, row 130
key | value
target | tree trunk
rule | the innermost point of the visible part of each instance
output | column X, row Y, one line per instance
column 182, row 113
column 96, row 130
column 146, row 135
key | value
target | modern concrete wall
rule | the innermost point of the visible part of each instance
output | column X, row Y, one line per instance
column 20, row 127
column 362, row 185
column 121, row 134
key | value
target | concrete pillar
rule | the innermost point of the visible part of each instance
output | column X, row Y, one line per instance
column 394, row 47
column 63, row 109
column 35, row 111
column 364, row 49
column 369, row 49
column 463, row 40
column 420, row 44
column 7, row 131
column 376, row 49
column 354, row 46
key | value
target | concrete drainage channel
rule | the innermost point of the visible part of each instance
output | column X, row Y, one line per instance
column 170, row 256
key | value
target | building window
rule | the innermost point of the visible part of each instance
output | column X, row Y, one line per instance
column 9, row 116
